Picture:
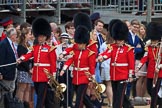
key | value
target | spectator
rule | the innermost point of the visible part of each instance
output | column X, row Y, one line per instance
column 141, row 74
column 105, row 70
column 69, row 28
column 57, row 34
column 54, row 40
column 134, row 41
column 100, row 40
column 99, row 27
column 24, row 69
column 8, row 56
column 128, row 24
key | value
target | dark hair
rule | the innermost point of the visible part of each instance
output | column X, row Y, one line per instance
column 58, row 30
column 96, row 22
column 135, row 22
column 24, row 25
column 68, row 25
column 22, row 37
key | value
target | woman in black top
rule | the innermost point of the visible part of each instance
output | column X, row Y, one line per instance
column 24, row 69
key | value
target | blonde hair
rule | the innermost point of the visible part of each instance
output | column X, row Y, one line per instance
column 140, row 35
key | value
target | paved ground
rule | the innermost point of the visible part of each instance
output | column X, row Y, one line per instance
column 146, row 106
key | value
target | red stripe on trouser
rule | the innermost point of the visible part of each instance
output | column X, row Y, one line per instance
column 122, row 96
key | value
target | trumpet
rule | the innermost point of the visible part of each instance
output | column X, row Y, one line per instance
column 99, row 88
column 158, row 60
column 59, row 88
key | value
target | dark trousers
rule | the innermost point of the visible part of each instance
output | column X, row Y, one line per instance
column 66, row 78
column 153, row 92
column 45, row 96
column 41, row 90
column 119, row 96
column 80, row 93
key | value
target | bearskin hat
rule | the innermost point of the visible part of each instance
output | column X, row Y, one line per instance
column 154, row 31
column 119, row 31
column 82, row 35
column 41, row 26
column 112, row 22
column 82, row 19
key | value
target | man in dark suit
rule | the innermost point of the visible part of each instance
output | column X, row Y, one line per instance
column 134, row 41
column 8, row 55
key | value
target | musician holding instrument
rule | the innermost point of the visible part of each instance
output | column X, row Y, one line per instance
column 153, row 57
column 122, row 62
column 44, row 57
column 83, row 60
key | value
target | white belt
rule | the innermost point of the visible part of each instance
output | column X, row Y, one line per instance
column 81, row 69
column 119, row 64
column 41, row 64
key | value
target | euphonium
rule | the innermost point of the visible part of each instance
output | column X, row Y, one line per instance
column 59, row 88
column 99, row 88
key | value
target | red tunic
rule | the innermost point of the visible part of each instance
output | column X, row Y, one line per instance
column 3, row 36
column 122, row 61
column 83, row 61
column 150, row 55
column 44, row 57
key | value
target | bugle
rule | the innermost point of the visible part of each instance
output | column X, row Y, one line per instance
column 99, row 88
column 59, row 88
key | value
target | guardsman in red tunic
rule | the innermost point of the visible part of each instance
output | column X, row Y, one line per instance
column 153, row 57
column 121, row 64
column 83, row 60
column 81, row 20
column 44, row 56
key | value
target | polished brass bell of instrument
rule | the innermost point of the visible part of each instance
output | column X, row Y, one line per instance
column 58, row 87
column 99, row 88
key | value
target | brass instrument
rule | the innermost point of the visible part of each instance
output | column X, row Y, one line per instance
column 158, row 60
column 59, row 88
column 99, row 88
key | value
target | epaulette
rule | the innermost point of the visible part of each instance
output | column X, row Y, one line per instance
column 129, row 47
column 92, row 42
column 30, row 48
column 146, row 48
column 90, row 53
column 52, row 48
column 109, row 47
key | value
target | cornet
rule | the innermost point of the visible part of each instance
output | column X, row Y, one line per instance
column 59, row 88
column 99, row 88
